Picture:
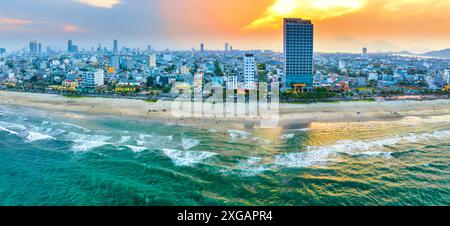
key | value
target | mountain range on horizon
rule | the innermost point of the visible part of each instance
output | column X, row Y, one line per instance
column 445, row 53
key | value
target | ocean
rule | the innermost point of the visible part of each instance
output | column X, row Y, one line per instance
column 48, row 159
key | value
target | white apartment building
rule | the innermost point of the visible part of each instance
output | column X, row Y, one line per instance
column 447, row 76
column 232, row 82
column 152, row 60
column 250, row 72
column 99, row 77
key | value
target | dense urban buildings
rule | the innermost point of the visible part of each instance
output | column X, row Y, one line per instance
column 133, row 72
column 298, row 53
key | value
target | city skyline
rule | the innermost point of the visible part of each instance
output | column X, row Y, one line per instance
column 341, row 26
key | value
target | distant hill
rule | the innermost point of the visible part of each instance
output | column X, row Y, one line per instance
column 441, row 53
column 403, row 53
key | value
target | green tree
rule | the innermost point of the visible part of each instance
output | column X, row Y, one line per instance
column 217, row 70
column 149, row 82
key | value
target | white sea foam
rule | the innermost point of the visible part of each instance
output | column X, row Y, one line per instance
column 251, row 167
column 84, row 142
column 16, row 127
column 156, row 142
column 187, row 158
column 8, row 130
column 301, row 159
column 315, row 155
column 35, row 136
column 75, row 126
column 234, row 134
column 13, row 126
column 287, row 136
column 189, row 143
column 145, row 136
column 136, row 148
column 83, row 146
column 302, row 130
column 124, row 139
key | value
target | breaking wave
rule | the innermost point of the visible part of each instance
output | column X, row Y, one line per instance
column 136, row 149
column 189, row 143
column 35, row 136
column 316, row 155
column 234, row 134
column 187, row 158
column 83, row 142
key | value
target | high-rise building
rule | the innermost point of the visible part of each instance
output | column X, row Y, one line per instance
column 298, row 53
column 202, row 47
column 99, row 77
column 250, row 72
column 91, row 80
column 198, row 82
column 71, row 48
column 114, row 61
column 116, row 46
column 39, row 48
column 447, row 76
column 364, row 51
column 227, row 47
column 130, row 63
column 34, row 47
column 232, row 82
column 152, row 60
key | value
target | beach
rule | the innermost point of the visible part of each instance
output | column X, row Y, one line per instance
column 92, row 151
column 290, row 115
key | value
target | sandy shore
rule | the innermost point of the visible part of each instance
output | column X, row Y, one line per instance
column 291, row 115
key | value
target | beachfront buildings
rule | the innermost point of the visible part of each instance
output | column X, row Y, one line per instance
column 447, row 76
column 250, row 72
column 343, row 73
column 232, row 82
column 298, row 53
column 92, row 79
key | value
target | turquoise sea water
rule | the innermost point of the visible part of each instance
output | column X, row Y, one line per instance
column 85, row 160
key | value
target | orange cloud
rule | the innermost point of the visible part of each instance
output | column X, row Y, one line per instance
column 378, row 24
column 70, row 28
column 306, row 9
column 13, row 21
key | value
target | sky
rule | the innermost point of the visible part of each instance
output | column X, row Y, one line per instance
column 340, row 25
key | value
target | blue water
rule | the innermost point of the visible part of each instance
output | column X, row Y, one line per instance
column 50, row 159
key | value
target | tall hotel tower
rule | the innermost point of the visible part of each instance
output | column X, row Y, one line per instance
column 298, row 53
column 250, row 72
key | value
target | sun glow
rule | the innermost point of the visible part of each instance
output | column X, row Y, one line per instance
column 306, row 9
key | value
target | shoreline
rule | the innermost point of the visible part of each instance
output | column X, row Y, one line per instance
column 292, row 116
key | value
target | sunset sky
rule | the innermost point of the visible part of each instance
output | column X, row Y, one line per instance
column 340, row 25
